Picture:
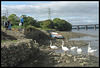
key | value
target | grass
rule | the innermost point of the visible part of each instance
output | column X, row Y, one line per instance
column 45, row 28
column 3, row 41
column 16, row 26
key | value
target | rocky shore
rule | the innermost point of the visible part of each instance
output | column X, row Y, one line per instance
column 47, row 58
column 52, row 59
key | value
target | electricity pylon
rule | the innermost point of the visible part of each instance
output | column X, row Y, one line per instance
column 49, row 14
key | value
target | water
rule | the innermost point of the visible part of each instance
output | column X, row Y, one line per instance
column 93, row 41
column 88, row 31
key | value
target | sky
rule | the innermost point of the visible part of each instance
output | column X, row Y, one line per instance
column 75, row 12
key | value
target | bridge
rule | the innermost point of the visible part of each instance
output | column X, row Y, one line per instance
column 86, row 26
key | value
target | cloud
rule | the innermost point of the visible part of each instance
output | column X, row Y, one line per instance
column 72, row 11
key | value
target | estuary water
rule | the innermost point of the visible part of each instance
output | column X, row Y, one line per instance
column 93, row 41
column 88, row 31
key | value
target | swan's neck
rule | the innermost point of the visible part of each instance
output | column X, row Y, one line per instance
column 89, row 48
column 50, row 43
column 62, row 43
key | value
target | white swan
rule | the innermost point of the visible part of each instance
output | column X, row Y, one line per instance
column 90, row 50
column 64, row 48
column 79, row 50
column 73, row 48
column 53, row 46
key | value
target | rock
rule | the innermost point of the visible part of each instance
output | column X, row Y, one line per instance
column 75, row 59
column 67, row 61
column 63, row 54
column 83, row 64
column 61, row 58
column 14, row 53
column 35, row 61
column 50, row 53
column 82, row 58
column 69, row 55
column 21, row 51
column 59, row 61
column 56, row 58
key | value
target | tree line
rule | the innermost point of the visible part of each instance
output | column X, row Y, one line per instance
column 56, row 23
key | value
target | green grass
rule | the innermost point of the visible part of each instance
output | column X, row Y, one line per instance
column 3, row 41
column 45, row 28
column 38, row 28
column 16, row 26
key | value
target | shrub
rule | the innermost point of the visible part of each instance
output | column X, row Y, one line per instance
column 62, row 25
column 47, row 24
column 31, row 28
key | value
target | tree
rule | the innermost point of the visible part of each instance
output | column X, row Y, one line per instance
column 56, row 22
column 61, row 24
column 25, row 18
column 14, row 19
column 38, row 23
column 29, row 21
column 3, row 19
column 47, row 24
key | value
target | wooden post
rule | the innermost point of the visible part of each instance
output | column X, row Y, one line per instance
column 86, row 27
column 95, row 27
column 77, row 27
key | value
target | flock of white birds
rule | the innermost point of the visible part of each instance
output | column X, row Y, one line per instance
column 79, row 50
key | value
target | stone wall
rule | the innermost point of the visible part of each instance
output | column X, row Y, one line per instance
column 15, row 53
